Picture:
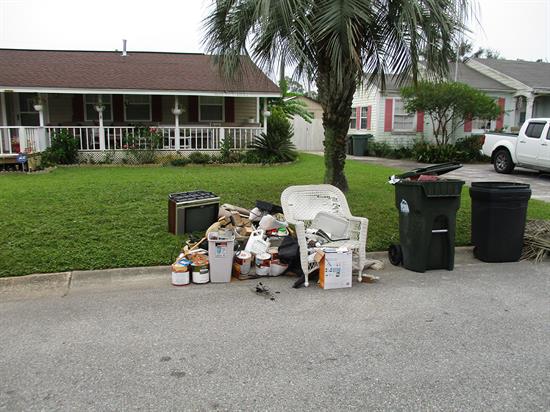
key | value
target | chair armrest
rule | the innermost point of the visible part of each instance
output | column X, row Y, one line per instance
column 363, row 224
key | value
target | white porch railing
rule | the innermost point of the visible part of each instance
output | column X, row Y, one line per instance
column 16, row 139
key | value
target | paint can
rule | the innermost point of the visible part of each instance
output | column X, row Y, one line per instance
column 274, row 252
column 180, row 272
column 277, row 267
column 199, row 265
column 242, row 263
column 263, row 264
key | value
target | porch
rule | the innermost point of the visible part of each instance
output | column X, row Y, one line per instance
column 103, row 122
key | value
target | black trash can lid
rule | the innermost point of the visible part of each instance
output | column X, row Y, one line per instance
column 501, row 185
column 431, row 170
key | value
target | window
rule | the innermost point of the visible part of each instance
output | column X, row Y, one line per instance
column 28, row 116
column 137, row 108
column 211, row 109
column 481, row 124
column 90, row 113
column 364, row 111
column 534, row 130
column 353, row 119
column 402, row 121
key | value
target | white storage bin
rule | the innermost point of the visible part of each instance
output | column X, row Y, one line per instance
column 220, row 255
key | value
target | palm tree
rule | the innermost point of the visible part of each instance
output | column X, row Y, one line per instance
column 340, row 44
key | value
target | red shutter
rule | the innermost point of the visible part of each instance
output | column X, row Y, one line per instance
column 229, row 109
column 156, row 108
column 369, row 117
column 193, row 107
column 500, row 119
column 357, row 118
column 468, row 125
column 420, row 122
column 78, row 108
column 118, row 108
column 388, row 115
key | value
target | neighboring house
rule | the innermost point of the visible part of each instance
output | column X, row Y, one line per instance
column 183, row 95
column 309, row 136
column 382, row 114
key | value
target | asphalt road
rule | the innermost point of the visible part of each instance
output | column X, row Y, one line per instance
column 476, row 338
column 483, row 172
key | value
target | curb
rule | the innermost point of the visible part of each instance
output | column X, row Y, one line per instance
column 63, row 281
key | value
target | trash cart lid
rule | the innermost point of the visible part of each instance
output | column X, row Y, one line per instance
column 431, row 170
column 501, row 185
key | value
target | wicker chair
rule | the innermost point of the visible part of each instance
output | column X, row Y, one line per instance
column 300, row 206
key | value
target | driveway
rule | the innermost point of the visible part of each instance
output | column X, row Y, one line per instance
column 476, row 338
column 540, row 183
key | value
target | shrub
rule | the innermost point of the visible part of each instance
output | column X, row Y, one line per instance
column 379, row 149
column 62, row 151
column 199, row 158
column 470, row 149
column 180, row 162
column 429, row 153
column 225, row 151
column 276, row 145
column 142, row 145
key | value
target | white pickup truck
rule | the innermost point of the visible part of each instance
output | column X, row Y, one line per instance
column 530, row 148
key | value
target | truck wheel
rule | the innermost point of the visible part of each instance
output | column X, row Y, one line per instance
column 502, row 162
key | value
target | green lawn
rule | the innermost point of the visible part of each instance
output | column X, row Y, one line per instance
column 101, row 217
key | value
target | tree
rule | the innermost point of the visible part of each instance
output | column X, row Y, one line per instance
column 339, row 45
column 448, row 105
column 294, row 86
column 290, row 107
column 482, row 53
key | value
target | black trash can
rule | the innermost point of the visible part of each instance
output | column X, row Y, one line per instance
column 427, row 220
column 499, row 212
column 360, row 143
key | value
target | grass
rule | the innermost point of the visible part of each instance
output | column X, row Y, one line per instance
column 100, row 217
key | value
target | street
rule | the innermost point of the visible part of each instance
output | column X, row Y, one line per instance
column 476, row 338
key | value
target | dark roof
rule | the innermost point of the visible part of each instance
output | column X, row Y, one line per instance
column 136, row 71
column 466, row 75
column 532, row 74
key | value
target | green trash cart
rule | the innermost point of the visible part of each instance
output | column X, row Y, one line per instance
column 360, row 144
column 427, row 219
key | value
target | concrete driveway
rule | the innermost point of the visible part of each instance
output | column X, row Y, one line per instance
column 474, row 339
column 540, row 183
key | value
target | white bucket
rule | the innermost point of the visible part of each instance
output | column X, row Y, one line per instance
column 277, row 268
column 180, row 273
column 263, row 264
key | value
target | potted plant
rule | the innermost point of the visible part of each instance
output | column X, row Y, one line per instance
column 38, row 103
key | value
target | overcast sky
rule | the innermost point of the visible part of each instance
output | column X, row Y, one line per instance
column 516, row 28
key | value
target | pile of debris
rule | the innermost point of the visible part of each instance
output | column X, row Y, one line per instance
column 536, row 240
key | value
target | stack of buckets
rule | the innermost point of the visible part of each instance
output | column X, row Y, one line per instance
column 194, row 269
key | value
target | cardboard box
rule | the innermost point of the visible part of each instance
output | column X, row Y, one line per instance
column 335, row 269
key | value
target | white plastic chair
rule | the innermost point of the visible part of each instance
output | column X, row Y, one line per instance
column 300, row 206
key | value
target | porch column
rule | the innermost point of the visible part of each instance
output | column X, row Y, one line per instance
column 258, row 110
column 529, row 106
column 40, row 140
column 266, row 115
column 3, row 113
column 176, row 111
column 99, row 109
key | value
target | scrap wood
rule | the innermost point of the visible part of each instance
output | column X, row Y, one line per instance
column 536, row 240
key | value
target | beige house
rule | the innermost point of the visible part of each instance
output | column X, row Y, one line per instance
column 100, row 97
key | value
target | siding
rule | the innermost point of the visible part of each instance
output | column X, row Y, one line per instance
column 363, row 98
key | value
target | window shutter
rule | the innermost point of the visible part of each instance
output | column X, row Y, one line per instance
column 388, row 115
column 420, row 122
column 369, row 117
column 358, row 118
column 78, row 108
column 500, row 119
column 156, row 108
column 118, row 107
column 468, row 125
column 229, row 109
column 193, row 107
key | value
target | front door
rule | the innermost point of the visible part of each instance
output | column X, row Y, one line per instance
column 529, row 143
column 27, row 115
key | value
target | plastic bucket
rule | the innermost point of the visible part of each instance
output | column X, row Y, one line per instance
column 263, row 264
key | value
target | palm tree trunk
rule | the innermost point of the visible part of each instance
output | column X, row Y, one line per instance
column 336, row 102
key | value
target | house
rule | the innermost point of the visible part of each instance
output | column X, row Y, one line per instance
column 309, row 136
column 523, row 96
column 100, row 96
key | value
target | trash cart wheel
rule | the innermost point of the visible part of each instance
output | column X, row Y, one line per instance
column 395, row 255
